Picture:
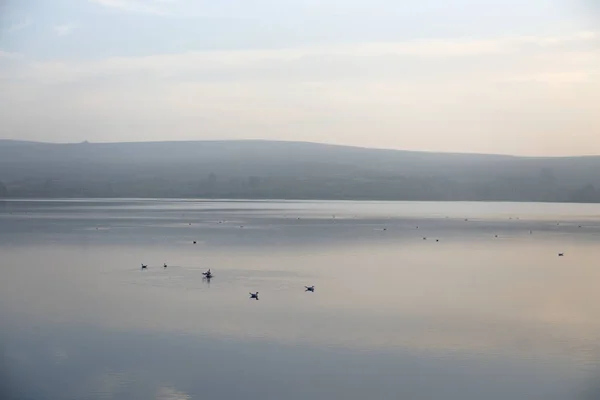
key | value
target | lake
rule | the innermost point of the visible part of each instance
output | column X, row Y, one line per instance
column 453, row 301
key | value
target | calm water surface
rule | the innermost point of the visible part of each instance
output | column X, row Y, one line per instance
column 460, row 315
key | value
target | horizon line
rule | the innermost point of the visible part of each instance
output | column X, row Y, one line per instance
column 465, row 153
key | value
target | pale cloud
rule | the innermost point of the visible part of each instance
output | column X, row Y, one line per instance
column 335, row 62
column 154, row 7
column 64, row 30
column 9, row 55
column 17, row 26
column 557, row 77
column 549, row 41
column 173, row 8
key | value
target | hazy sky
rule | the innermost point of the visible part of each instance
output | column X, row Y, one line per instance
column 501, row 76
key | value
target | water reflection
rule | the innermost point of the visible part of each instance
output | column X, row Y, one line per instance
column 472, row 316
column 103, row 364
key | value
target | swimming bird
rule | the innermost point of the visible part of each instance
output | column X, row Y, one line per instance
column 165, row 266
column 207, row 274
column 309, row 288
column 194, row 242
column 144, row 266
column 561, row 254
column 254, row 296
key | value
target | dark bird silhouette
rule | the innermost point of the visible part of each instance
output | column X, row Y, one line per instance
column 561, row 254
column 144, row 267
column 309, row 288
column 165, row 265
column 254, row 296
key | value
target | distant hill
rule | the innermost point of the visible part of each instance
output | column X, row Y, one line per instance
column 286, row 170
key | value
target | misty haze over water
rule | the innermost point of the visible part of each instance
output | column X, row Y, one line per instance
column 287, row 170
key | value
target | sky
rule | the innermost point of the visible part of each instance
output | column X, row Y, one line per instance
column 486, row 76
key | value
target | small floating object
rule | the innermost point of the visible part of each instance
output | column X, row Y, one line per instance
column 208, row 274
column 144, row 267
column 241, row 226
column 424, row 238
column 254, row 296
column 385, row 229
column 437, row 240
column 194, row 242
column 190, row 223
column 561, row 254
column 165, row 266
column 309, row 288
